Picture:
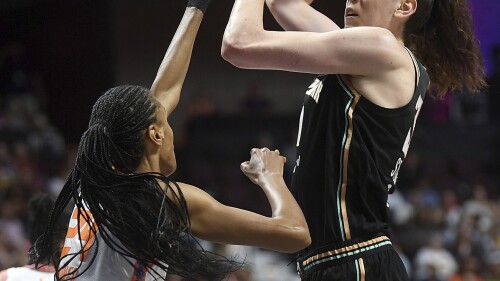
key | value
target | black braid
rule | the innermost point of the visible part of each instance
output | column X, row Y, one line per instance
column 132, row 212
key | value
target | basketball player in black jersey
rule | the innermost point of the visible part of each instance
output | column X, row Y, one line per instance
column 359, row 114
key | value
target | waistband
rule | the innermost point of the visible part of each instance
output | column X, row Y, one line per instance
column 331, row 255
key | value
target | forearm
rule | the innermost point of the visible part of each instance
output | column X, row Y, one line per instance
column 245, row 22
column 210, row 220
column 283, row 204
column 168, row 83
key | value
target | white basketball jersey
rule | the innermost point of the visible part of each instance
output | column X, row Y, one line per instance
column 27, row 273
column 108, row 264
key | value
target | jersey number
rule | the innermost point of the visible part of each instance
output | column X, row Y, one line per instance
column 86, row 236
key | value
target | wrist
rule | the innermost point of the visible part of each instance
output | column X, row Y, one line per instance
column 270, row 178
column 201, row 5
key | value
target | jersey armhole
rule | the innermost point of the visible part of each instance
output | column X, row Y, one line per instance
column 416, row 68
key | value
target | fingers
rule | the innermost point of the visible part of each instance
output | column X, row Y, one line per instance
column 277, row 151
column 259, row 152
column 264, row 151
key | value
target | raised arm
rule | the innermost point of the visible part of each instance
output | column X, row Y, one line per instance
column 285, row 231
column 298, row 15
column 168, row 83
column 357, row 51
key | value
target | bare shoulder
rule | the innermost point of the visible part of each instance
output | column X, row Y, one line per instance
column 195, row 197
column 378, row 42
column 186, row 189
column 366, row 51
column 393, row 87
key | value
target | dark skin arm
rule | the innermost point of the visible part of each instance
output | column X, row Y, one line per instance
column 168, row 83
column 286, row 230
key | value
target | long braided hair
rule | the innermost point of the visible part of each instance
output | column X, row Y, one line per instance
column 130, row 211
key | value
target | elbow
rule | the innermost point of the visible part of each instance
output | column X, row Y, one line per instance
column 232, row 50
column 236, row 49
column 304, row 240
column 301, row 239
column 228, row 49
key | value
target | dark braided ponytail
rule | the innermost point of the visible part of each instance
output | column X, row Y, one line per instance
column 130, row 211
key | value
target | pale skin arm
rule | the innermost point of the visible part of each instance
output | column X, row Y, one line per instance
column 168, row 83
column 372, row 58
column 356, row 51
column 285, row 231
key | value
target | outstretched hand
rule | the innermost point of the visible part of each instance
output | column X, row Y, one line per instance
column 263, row 162
column 201, row 5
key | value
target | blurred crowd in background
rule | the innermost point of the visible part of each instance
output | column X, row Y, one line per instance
column 445, row 213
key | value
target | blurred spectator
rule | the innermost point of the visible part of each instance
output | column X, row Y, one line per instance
column 401, row 210
column 469, row 271
column 259, row 264
column 434, row 262
column 464, row 248
column 477, row 210
column 12, row 213
column 494, row 266
column 427, row 200
column 40, row 206
column 452, row 210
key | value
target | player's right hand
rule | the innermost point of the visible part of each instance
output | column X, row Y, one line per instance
column 263, row 162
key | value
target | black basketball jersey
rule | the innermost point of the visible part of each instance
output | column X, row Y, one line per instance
column 349, row 152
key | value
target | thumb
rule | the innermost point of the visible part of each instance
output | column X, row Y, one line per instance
column 245, row 166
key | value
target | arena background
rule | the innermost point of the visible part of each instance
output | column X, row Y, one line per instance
column 57, row 57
